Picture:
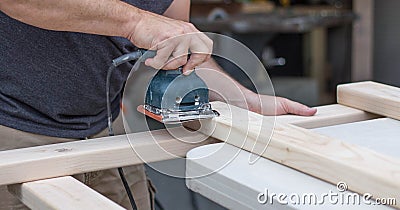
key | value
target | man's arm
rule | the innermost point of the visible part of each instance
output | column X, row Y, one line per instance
column 116, row 18
column 179, row 10
column 238, row 95
column 235, row 93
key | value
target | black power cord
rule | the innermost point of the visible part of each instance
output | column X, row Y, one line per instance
column 127, row 188
column 115, row 63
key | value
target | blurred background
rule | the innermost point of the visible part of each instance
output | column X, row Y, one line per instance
column 308, row 47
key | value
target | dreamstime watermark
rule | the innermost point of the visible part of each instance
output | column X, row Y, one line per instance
column 335, row 198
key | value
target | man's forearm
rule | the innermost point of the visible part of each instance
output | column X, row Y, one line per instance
column 116, row 18
column 224, row 88
column 225, row 85
column 105, row 17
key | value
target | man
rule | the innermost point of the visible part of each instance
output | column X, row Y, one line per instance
column 54, row 57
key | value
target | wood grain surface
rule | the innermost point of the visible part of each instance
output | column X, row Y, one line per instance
column 34, row 163
column 327, row 115
column 372, row 97
column 61, row 193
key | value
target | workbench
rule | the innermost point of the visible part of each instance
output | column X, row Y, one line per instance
column 237, row 185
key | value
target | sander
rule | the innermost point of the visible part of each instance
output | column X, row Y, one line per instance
column 172, row 97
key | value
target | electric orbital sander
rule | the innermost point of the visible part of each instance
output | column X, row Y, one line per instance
column 173, row 98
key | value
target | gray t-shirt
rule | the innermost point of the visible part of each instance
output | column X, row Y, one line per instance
column 53, row 83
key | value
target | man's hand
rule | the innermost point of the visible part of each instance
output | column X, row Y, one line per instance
column 224, row 88
column 286, row 106
column 172, row 39
column 270, row 105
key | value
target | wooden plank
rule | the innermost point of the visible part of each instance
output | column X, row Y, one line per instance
column 328, row 115
column 362, row 49
column 364, row 170
column 60, row 193
column 372, row 97
column 34, row 163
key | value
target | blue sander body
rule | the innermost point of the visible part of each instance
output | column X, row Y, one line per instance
column 173, row 98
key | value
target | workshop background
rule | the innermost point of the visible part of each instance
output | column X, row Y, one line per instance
column 308, row 47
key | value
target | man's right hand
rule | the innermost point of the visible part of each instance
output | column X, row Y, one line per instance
column 172, row 39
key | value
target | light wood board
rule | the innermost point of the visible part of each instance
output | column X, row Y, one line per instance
column 61, row 193
column 364, row 170
column 372, row 97
column 328, row 115
column 34, row 163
